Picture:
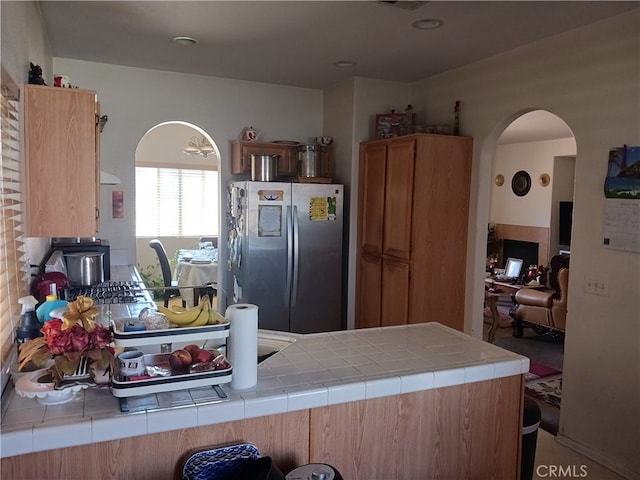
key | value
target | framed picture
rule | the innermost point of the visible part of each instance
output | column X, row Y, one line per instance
column 393, row 124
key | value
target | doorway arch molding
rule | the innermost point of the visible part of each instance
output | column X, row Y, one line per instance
column 486, row 154
column 187, row 127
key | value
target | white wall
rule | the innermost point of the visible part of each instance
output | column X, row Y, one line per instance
column 137, row 99
column 590, row 78
column 562, row 181
column 536, row 158
column 23, row 41
column 350, row 112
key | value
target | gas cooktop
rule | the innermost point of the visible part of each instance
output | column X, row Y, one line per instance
column 113, row 292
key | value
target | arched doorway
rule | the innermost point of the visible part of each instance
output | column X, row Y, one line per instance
column 532, row 176
column 177, row 193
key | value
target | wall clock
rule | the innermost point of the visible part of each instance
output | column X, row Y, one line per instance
column 521, row 183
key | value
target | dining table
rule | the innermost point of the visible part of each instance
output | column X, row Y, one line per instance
column 196, row 268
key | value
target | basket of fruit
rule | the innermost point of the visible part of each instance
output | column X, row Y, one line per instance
column 178, row 324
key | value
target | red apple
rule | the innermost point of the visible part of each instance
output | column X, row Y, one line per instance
column 180, row 360
column 193, row 349
column 203, row 356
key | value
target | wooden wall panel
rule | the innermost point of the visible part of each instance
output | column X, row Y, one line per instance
column 157, row 456
column 468, row 431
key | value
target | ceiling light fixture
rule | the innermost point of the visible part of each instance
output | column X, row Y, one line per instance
column 344, row 64
column 184, row 41
column 199, row 147
column 427, row 24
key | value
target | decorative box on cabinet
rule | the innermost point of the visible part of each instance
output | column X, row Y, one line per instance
column 62, row 163
column 412, row 230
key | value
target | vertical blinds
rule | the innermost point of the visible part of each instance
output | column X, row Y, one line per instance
column 13, row 271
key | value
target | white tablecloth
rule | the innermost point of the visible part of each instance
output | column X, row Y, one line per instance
column 193, row 274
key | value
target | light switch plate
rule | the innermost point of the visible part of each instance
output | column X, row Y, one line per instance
column 597, row 284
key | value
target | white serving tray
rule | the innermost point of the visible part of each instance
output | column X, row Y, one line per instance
column 168, row 335
column 182, row 381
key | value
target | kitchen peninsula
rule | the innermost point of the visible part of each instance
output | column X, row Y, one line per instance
column 415, row 401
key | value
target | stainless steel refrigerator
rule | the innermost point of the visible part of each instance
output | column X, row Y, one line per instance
column 285, row 253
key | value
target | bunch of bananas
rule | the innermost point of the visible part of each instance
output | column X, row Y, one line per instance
column 197, row 316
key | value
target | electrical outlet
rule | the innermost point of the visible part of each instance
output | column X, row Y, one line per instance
column 597, row 284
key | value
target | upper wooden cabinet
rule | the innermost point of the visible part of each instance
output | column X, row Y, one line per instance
column 412, row 230
column 62, row 171
column 241, row 152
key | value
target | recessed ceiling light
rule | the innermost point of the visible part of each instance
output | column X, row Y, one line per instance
column 185, row 41
column 427, row 23
column 344, row 64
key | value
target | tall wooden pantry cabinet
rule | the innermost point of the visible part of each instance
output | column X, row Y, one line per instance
column 62, row 162
column 412, row 230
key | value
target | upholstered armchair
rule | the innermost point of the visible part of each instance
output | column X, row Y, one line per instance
column 544, row 311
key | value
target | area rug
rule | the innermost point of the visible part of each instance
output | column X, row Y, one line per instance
column 538, row 370
column 547, row 389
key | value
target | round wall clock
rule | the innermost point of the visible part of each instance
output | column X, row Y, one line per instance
column 499, row 180
column 521, row 183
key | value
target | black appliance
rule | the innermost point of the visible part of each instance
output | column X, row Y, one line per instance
column 75, row 245
column 565, row 223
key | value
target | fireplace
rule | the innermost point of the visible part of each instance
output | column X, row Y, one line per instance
column 527, row 251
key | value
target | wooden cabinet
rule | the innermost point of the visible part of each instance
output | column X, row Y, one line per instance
column 412, row 230
column 241, row 152
column 462, row 431
column 62, row 168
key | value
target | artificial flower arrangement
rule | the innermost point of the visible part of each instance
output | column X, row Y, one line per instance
column 73, row 341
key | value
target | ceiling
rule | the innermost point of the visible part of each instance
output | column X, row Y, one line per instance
column 296, row 43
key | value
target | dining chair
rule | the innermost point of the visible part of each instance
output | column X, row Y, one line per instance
column 213, row 240
column 166, row 270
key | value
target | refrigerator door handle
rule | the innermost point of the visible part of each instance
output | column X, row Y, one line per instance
column 296, row 255
column 287, row 291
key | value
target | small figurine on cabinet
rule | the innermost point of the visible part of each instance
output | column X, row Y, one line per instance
column 35, row 75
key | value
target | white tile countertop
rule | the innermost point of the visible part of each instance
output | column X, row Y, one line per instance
column 314, row 371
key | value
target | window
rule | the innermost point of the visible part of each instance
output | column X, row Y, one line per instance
column 176, row 202
column 13, row 268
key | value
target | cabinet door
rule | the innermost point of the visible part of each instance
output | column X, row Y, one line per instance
column 60, row 160
column 242, row 151
column 398, row 199
column 371, row 201
column 440, row 227
column 368, row 292
column 395, row 293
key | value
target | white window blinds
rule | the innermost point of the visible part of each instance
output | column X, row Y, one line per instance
column 13, row 268
column 176, row 202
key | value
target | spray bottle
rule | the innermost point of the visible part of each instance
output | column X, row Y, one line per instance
column 29, row 327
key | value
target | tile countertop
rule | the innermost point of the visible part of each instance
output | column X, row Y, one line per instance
column 316, row 370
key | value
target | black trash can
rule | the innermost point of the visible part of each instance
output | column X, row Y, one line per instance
column 530, row 423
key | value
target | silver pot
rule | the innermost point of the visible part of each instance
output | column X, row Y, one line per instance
column 85, row 268
column 308, row 156
column 264, row 168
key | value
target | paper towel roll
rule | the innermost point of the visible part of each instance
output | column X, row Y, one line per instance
column 242, row 345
